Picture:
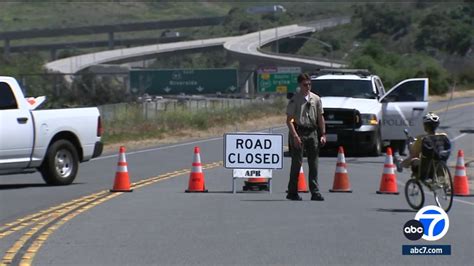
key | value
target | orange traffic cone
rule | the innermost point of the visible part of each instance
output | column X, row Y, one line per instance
column 196, row 178
column 461, row 184
column 388, row 183
column 302, row 187
column 341, row 178
column 122, row 180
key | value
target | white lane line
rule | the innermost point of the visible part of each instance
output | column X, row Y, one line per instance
column 463, row 201
column 159, row 148
column 402, row 184
column 180, row 145
column 458, row 137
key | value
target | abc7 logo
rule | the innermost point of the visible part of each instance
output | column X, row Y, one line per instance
column 431, row 223
column 413, row 230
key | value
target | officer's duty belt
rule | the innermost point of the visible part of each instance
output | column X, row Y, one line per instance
column 305, row 130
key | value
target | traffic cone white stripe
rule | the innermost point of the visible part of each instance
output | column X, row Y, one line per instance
column 122, row 179
column 388, row 170
column 196, row 178
column 122, row 169
column 197, row 158
column 122, row 163
column 460, row 172
column 197, row 169
column 388, row 182
column 341, row 178
column 341, row 166
column 341, row 170
column 460, row 167
column 340, row 157
column 461, row 182
column 389, row 166
column 197, row 166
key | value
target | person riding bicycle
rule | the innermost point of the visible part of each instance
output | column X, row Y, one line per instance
column 427, row 147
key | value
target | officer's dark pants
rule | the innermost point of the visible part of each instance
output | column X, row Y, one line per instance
column 310, row 144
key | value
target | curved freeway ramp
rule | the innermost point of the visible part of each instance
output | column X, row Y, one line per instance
column 248, row 46
column 74, row 64
column 244, row 47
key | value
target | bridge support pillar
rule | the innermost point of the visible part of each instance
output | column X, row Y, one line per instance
column 6, row 48
column 111, row 40
column 246, row 79
column 53, row 54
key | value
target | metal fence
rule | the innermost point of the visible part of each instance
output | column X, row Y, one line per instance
column 152, row 109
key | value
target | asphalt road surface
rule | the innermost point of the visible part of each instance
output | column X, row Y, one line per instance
column 159, row 224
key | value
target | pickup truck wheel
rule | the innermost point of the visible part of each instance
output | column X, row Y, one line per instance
column 60, row 164
column 377, row 146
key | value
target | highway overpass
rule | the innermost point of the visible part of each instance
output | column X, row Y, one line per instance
column 245, row 48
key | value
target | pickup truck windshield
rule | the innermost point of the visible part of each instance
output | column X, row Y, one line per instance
column 343, row 88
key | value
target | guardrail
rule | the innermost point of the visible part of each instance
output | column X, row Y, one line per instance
column 341, row 62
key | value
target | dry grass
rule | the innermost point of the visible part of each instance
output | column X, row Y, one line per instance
column 186, row 135
column 456, row 94
column 267, row 122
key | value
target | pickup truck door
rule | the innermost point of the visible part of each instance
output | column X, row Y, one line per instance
column 16, row 131
column 404, row 106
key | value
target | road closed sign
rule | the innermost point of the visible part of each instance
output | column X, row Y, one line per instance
column 253, row 151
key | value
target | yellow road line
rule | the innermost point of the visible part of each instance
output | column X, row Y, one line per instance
column 45, row 219
column 29, row 220
column 453, row 107
column 33, row 249
column 15, row 248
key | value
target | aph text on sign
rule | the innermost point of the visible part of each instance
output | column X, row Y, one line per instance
column 253, row 151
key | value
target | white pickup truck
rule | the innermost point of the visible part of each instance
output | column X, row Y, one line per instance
column 50, row 141
column 361, row 116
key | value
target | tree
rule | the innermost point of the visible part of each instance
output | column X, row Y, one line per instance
column 447, row 31
column 392, row 67
column 382, row 18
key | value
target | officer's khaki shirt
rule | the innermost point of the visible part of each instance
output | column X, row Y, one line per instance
column 305, row 115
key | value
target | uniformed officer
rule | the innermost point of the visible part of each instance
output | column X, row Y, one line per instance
column 307, row 131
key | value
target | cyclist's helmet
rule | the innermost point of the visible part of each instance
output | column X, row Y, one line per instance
column 431, row 120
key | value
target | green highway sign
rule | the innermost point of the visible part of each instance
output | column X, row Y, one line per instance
column 277, row 79
column 187, row 81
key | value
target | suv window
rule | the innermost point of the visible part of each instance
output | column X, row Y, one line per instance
column 408, row 92
column 343, row 88
column 7, row 99
column 380, row 88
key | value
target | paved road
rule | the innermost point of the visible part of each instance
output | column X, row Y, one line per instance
column 159, row 224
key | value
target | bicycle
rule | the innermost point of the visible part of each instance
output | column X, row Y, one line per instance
column 441, row 183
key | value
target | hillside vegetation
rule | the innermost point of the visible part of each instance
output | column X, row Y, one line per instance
column 399, row 41
column 394, row 40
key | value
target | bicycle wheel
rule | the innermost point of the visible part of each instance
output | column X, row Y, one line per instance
column 414, row 194
column 443, row 187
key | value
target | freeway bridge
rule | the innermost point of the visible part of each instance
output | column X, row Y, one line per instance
column 246, row 48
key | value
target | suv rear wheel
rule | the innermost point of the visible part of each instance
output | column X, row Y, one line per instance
column 376, row 149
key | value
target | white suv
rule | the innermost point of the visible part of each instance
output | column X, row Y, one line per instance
column 361, row 116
